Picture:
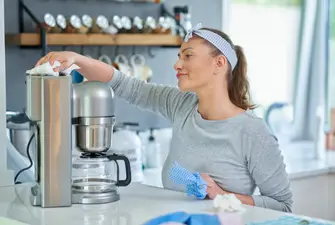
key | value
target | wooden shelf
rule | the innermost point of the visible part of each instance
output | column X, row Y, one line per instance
column 33, row 39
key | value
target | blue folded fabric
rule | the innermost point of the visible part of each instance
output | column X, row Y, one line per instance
column 185, row 218
column 194, row 184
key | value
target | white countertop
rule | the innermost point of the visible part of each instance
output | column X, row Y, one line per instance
column 138, row 204
column 305, row 167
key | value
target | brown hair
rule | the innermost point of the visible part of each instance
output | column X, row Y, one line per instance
column 238, row 84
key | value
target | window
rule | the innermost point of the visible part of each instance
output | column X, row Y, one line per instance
column 268, row 30
column 331, row 60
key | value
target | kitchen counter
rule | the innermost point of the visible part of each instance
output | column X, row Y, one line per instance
column 138, row 204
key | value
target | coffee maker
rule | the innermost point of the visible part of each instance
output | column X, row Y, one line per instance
column 55, row 106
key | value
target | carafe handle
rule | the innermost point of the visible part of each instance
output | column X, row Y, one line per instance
column 125, row 182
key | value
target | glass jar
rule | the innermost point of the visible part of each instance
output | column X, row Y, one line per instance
column 61, row 23
column 126, row 24
column 48, row 23
column 100, row 24
column 137, row 26
column 87, row 22
column 74, row 24
column 149, row 25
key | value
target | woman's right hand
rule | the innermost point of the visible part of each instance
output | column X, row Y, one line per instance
column 65, row 58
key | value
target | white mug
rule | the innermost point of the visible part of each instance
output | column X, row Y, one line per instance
column 106, row 59
column 123, row 64
column 140, row 70
column 137, row 62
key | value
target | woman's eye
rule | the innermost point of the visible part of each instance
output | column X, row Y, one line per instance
column 188, row 56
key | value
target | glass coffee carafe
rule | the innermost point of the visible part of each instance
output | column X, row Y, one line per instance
column 95, row 177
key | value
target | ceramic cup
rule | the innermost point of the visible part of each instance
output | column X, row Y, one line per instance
column 122, row 62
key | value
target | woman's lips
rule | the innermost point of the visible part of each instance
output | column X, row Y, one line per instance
column 180, row 74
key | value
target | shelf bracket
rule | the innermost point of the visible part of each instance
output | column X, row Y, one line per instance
column 23, row 8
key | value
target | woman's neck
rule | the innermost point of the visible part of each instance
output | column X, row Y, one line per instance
column 216, row 105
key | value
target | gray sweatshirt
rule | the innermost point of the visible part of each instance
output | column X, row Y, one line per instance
column 239, row 153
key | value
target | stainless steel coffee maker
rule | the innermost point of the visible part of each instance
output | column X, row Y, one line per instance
column 55, row 106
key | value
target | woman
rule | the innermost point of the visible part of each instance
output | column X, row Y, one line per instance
column 215, row 132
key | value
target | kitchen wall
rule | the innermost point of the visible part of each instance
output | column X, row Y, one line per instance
column 19, row 60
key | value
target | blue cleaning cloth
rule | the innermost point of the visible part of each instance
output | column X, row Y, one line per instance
column 184, row 218
column 289, row 220
column 76, row 77
column 194, row 184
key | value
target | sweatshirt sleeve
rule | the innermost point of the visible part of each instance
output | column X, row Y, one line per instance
column 266, row 166
column 162, row 99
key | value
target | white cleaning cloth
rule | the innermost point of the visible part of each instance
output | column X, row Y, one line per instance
column 47, row 68
column 228, row 203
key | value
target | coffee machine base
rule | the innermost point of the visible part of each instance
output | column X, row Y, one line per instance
column 94, row 198
column 80, row 198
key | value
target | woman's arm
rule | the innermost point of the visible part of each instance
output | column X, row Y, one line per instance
column 267, row 168
column 161, row 99
column 164, row 100
column 213, row 190
column 93, row 69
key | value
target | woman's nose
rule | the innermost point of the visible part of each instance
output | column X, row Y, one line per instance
column 178, row 65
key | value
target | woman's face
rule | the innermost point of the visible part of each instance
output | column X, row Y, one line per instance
column 195, row 66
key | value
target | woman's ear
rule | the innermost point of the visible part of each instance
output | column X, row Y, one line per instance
column 220, row 63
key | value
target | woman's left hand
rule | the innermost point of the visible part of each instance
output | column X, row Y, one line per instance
column 212, row 188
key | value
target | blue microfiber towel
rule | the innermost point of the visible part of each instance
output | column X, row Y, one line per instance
column 184, row 218
column 289, row 220
column 194, row 184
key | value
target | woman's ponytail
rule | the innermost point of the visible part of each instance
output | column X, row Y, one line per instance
column 238, row 86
